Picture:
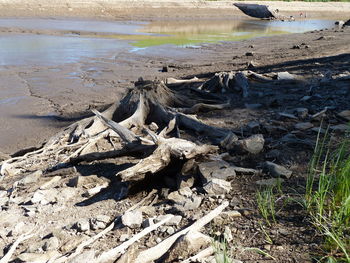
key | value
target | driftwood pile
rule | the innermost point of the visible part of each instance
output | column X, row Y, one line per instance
column 155, row 123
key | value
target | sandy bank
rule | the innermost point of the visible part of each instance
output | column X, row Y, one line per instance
column 148, row 10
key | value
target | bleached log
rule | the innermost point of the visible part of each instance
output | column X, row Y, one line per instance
column 159, row 250
column 200, row 256
column 15, row 244
column 173, row 81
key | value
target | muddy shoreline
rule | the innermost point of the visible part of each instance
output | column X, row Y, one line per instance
column 98, row 82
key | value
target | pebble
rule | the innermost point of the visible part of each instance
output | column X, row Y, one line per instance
column 304, row 126
column 277, row 170
column 124, row 237
column 132, row 219
column 82, row 225
column 217, row 186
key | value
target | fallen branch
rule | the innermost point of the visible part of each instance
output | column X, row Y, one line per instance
column 159, row 250
column 9, row 254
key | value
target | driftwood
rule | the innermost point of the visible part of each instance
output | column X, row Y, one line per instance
column 159, row 250
column 7, row 257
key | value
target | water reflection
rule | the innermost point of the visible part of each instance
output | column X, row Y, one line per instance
column 195, row 32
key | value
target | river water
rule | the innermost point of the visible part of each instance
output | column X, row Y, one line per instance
column 57, row 41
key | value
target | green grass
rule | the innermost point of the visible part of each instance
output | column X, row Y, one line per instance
column 327, row 197
column 266, row 204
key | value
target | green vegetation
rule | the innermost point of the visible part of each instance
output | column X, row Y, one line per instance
column 221, row 251
column 328, row 197
column 266, row 204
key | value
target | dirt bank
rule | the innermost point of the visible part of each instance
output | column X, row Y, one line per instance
column 150, row 10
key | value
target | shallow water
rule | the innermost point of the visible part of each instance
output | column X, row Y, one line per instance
column 114, row 37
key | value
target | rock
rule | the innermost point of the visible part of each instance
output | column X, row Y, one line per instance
column 88, row 182
column 124, row 237
column 44, row 197
column 277, row 170
column 273, row 154
column 188, row 244
column 183, row 203
column 51, row 182
column 82, row 225
column 345, row 114
column 229, row 141
column 174, row 221
column 38, row 258
column 148, row 210
column 230, row 214
column 306, row 98
column 302, row 113
column 99, row 222
column 285, row 75
column 31, row 178
column 132, row 219
column 339, row 23
column 270, row 182
column 340, row 128
column 216, row 169
column 253, row 144
column 303, row 125
column 185, row 191
column 185, row 181
column 217, row 187
column 347, row 23
column 296, row 47
column 87, row 256
column 249, row 54
column 253, row 106
column 51, row 243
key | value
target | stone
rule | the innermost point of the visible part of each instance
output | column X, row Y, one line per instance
column 190, row 243
column 184, row 203
column 216, row 169
column 253, row 144
column 99, row 222
column 185, row 181
column 85, row 257
column 277, row 170
column 306, row 98
column 31, row 178
column 302, row 113
column 270, row 182
column 148, row 210
column 253, row 106
column 51, row 243
column 45, row 197
column 345, row 114
column 88, row 182
column 285, row 76
column 304, row 126
column 249, row 54
column 186, row 191
column 230, row 214
column 83, row 225
column 174, row 221
column 132, row 219
column 217, row 187
column 51, row 182
column 38, row 257
column 340, row 128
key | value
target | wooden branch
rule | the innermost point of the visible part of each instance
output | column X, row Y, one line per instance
column 241, row 82
column 173, row 81
column 159, row 250
column 7, row 257
column 124, row 133
column 116, row 252
column 200, row 107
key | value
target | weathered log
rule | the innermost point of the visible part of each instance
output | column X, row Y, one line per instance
column 159, row 250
